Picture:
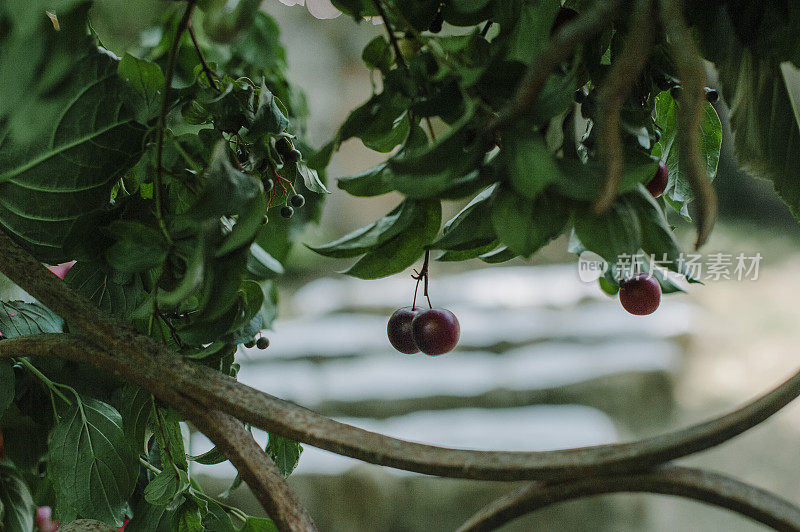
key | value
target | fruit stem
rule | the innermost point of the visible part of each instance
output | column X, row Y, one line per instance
column 419, row 276
column 206, row 70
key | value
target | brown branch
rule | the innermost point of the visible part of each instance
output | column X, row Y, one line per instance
column 255, row 468
column 704, row 486
column 173, row 380
column 615, row 89
column 572, row 34
column 690, row 112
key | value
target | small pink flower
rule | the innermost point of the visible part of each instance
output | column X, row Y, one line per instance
column 43, row 520
column 61, row 269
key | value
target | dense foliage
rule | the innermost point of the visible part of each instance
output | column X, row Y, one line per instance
column 168, row 175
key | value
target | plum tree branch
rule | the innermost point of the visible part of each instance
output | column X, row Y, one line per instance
column 255, row 468
column 690, row 112
column 173, row 379
column 572, row 34
column 612, row 95
column 704, row 486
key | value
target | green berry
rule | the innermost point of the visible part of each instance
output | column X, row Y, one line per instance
column 262, row 343
column 250, row 344
column 264, row 220
column 297, row 200
column 287, row 211
column 269, row 184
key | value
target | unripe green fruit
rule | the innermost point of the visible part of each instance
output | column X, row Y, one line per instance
column 297, row 200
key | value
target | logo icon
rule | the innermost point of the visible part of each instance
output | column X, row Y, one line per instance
column 591, row 266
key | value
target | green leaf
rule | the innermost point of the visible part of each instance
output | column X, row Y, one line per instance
column 531, row 29
column 148, row 518
column 259, row 524
column 16, row 503
column 586, row 181
column 248, row 223
column 381, row 123
column 658, row 239
column 145, row 82
column 138, row 247
column 113, row 293
column 471, row 227
column 310, row 178
column 467, row 254
column 268, row 117
column 165, row 424
column 167, row 485
column 217, row 519
column 764, row 120
column 611, row 235
column 368, row 238
column 373, row 182
column 135, row 406
column 531, row 166
column 188, row 517
column 501, row 254
column 377, row 54
column 18, row 318
column 284, row 452
column 90, row 462
column 226, row 191
column 524, row 226
column 397, row 254
column 6, row 385
column 357, row 8
column 212, row 457
column 466, row 12
column 261, row 265
column 679, row 189
column 48, row 182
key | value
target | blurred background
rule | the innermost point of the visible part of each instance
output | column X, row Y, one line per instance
column 546, row 361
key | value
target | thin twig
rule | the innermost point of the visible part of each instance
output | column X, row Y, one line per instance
column 392, row 37
column 690, row 112
column 209, row 74
column 572, row 34
column 617, row 84
column 162, row 118
column 704, row 486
